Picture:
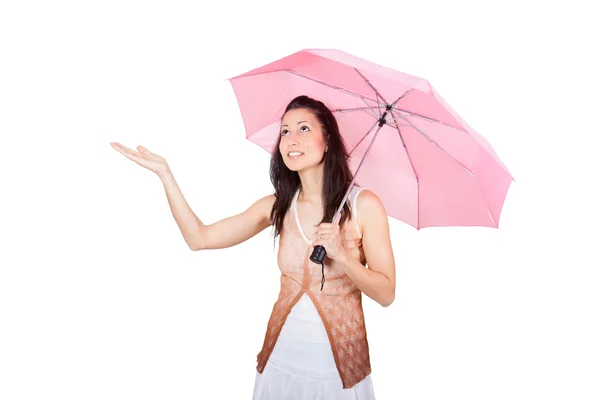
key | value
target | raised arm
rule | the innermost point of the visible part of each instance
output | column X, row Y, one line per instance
column 227, row 232
column 236, row 229
column 198, row 236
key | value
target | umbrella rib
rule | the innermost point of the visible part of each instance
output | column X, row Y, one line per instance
column 364, row 136
column 377, row 94
column 384, row 122
column 378, row 109
column 359, row 142
column 354, row 109
column 364, row 98
column 444, row 124
column 434, row 142
column 430, row 119
column 365, row 109
column 461, row 164
column 414, row 172
column 371, row 114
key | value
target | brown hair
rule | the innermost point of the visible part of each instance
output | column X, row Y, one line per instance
column 336, row 175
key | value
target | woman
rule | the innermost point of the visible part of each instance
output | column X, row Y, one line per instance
column 315, row 345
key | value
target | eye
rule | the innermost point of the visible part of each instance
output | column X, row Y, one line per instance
column 283, row 132
column 304, row 126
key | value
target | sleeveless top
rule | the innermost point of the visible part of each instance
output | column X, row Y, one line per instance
column 339, row 304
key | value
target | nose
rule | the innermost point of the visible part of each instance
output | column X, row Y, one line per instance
column 292, row 141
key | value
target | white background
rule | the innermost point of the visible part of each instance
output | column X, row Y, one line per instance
column 100, row 297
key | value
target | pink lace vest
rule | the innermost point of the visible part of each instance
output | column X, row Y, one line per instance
column 339, row 303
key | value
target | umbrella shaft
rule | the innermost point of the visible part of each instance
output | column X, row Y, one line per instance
column 379, row 122
column 382, row 119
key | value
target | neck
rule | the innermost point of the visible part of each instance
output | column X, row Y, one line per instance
column 311, row 185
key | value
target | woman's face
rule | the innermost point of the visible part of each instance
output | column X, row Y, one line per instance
column 302, row 141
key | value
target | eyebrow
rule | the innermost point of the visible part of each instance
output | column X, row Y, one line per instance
column 297, row 123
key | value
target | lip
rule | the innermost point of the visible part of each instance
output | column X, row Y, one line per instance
column 295, row 157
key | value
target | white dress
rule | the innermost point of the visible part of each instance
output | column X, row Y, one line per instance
column 301, row 366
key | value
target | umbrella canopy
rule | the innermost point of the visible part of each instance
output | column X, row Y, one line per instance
column 428, row 167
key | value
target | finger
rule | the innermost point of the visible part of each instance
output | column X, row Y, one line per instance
column 127, row 152
column 119, row 146
column 123, row 149
column 319, row 242
column 325, row 237
column 320, row 239
column 326, row 232
column 143, row 150
column 321, row 234
column 329, row 228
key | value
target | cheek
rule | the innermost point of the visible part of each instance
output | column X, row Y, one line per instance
column 316, row 145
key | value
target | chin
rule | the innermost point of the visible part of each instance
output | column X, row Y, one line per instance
column 299, row 166
column 293, row 167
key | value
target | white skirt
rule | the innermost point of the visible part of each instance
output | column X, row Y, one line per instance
column 301, row 366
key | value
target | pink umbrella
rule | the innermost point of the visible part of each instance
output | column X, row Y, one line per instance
column 428, row 167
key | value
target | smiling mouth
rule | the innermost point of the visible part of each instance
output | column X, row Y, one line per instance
column 295, row 154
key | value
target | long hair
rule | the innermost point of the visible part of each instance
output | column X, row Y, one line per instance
column 336, row 175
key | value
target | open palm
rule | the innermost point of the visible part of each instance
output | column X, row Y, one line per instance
column 143, row 157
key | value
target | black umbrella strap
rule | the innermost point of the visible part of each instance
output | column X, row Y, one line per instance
column 323, row 275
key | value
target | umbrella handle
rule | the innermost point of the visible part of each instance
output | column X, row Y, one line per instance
column 318, row 254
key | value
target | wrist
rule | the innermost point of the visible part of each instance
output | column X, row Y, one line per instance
column 165, row 175
column 344, row 257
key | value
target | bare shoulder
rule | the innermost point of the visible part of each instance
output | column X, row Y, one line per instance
column 368, row 202
column 267, row 200
column 264, row 205
column 369, row 208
